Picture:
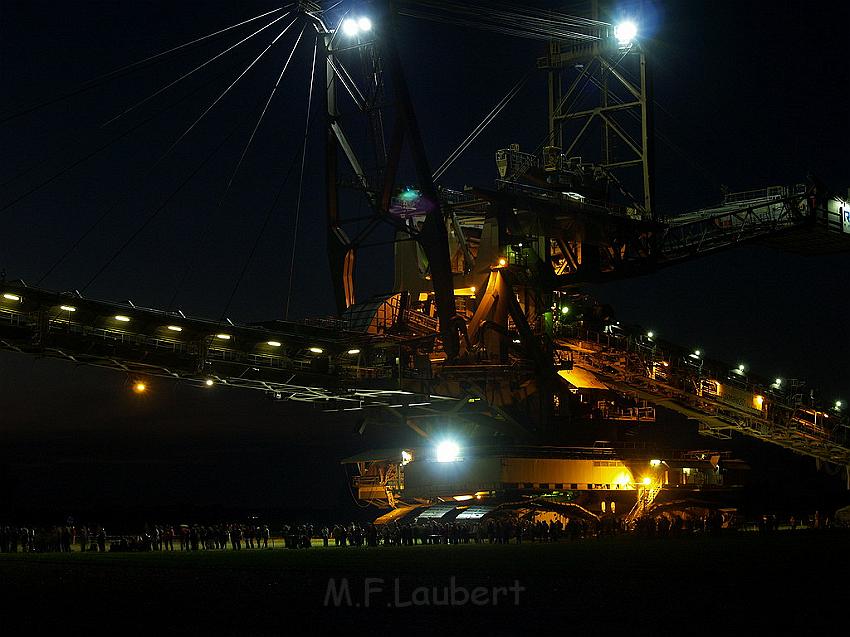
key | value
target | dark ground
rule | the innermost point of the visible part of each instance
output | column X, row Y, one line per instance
column 787, row 583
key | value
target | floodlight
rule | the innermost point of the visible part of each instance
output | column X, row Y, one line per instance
column 625, row 32
column 364, row 24
column 448, row 451
column 349, row 27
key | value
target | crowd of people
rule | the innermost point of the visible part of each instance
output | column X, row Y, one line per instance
column 252, row 536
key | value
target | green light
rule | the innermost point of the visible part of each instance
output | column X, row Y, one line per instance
column 409, row 194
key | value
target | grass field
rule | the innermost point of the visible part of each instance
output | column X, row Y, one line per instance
column 788, row 583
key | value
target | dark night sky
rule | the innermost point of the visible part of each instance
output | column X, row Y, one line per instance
column 752, row 94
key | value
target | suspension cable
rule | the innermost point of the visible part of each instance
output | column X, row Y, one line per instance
column 104, row 146
column 106, row 77
column 223, row 197
column 301, row 180
column 179, row 139
column 156, row 212
column 147, row 174
column 466, row 143
column 260, row 234
column 197, row 68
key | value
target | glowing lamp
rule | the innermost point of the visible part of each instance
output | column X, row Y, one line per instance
column 67, row 308
column 209, row 382
column 654, row 463
column 650, row 334
column 565, row 310
column 838, row 404
column 223, row 337
column 406, row 456
column 316, row 350
column 122, row 318
column 448, row 451
column 140, row 387
column 349, row 27
column 175, row 328
column 353, row 351
column 502, row 262
column 625, row 32
column 11, row 297
column 364, row 24
column 646, row 481
column 273, row 343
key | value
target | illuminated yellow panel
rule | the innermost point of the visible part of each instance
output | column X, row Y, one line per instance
column 581, row 378
column 470, row 291
column 423, row 296
column 758, row 402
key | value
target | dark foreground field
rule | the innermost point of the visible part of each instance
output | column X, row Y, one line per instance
column 787, row 583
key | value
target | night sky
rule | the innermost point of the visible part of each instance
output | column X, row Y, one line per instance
column 750, row 94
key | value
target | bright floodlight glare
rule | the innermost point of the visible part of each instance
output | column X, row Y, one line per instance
column 67, row 308
column 654, row 463
column 224, row 337
column 349, row 27
column 353, row 351
column 778, row 382
column 11, row 297
column 565, row 310
column 625, row 32
column 406, row 456
column 647, row 480
column 316, row 350
column 741, row 368
column 448, row 451
column 838, row 404
column 122, row 318
column 175, row 328
column 273, row 343
column 697, row 353
column 650, row 334
column 140, row 388
column 364, row 23
column 209, row 382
